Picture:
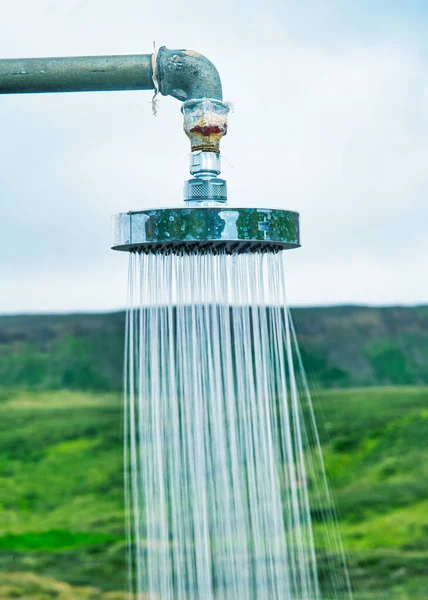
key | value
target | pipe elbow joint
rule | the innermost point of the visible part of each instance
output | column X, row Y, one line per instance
column 187, row 75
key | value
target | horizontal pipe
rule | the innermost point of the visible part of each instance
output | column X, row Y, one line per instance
column 76, row 74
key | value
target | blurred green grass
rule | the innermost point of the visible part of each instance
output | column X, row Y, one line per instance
column 61, row 491
column 61, row 482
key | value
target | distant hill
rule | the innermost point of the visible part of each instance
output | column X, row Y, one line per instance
column 343, row 346
column 348, row 346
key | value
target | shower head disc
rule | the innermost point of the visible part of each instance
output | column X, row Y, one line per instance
column 205, row 229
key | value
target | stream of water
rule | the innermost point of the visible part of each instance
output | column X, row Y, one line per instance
column 226, row 492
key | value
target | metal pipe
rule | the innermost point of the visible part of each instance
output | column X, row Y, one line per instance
column 183, row 74
column 76, row 74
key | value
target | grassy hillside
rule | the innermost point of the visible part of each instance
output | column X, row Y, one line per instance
column 78, row 352
column 61, row 511
column 348, row 346
column 342, row 346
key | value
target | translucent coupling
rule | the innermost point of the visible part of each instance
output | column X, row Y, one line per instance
column 200, row 229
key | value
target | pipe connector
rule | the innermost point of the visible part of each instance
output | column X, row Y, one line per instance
column 205, row 123
column 187, row 75
column 193, row 79
column 206, row 188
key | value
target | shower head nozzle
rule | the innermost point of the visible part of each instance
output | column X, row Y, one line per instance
column 205, row 229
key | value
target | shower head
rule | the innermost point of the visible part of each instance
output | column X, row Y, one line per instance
column 205, row 223
column 200, row 229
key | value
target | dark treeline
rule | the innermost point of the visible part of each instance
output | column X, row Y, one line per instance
column 344, row 346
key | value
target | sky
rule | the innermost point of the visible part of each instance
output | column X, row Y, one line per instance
column 330, row 119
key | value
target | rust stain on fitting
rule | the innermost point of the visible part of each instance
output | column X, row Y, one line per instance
column 209, row 130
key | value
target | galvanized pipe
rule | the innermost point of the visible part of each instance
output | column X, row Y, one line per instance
column 76, row 74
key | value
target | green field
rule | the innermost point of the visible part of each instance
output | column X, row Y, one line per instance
column 62, row 515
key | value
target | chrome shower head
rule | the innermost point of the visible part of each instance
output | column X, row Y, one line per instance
column 201, row 229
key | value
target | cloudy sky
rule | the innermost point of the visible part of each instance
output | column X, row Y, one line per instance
column 331, row 119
